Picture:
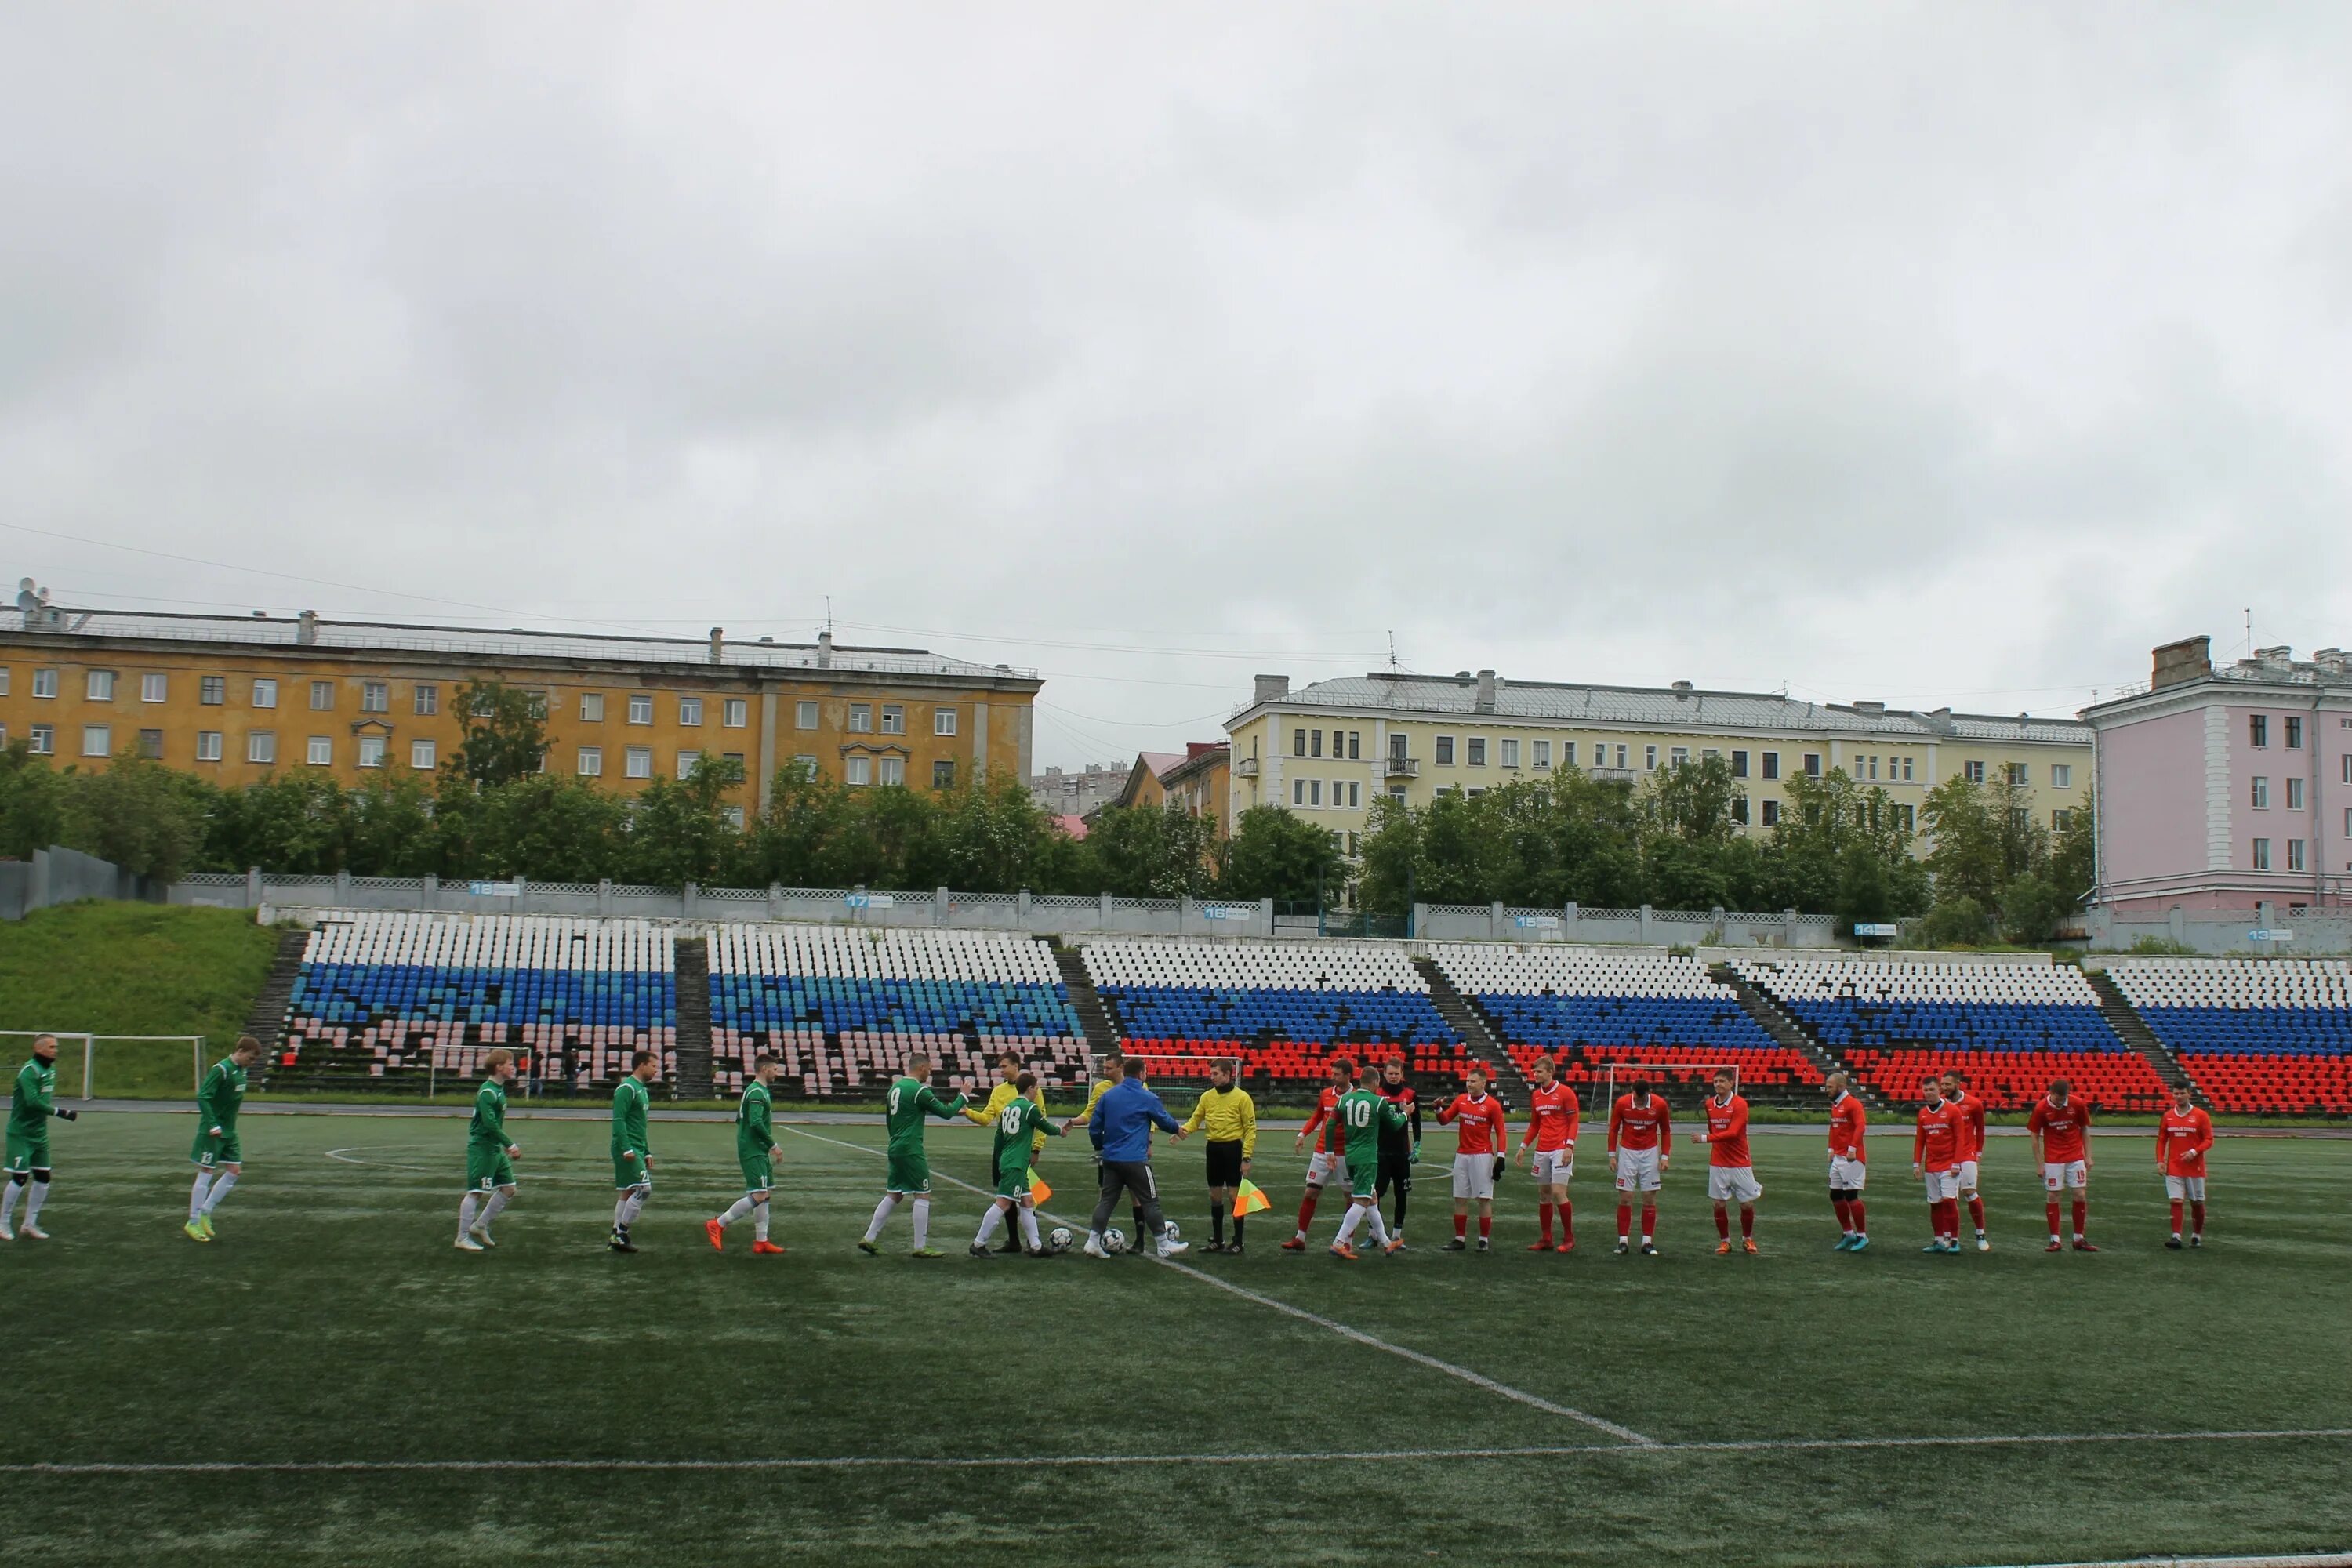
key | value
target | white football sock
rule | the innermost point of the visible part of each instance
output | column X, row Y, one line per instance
column 988, row 1222
column 620, row 1211
column 882, row 1214
column 196, row 1195
column 495, row 1207
column 635, row 1206
column 1028, row 1227
column 9, row 1193
column 221, row 1185
column 922, row 1223
column 33, row 1204
column 738, row 1209
column 466, row 1213
column 760, row 1220
column 1348, row 1225
column 1379, row 1226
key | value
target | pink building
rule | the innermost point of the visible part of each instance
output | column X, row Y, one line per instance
column 2225, row 790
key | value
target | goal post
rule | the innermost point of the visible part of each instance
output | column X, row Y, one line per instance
column 128, row 1067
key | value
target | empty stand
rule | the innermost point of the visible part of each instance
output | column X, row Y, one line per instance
column 1588, row 1011
column 843, row 1007
column 2259, row 1035
column 2011, row 1027
column 399, row 999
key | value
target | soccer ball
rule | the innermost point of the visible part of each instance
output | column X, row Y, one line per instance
column 1168, row 1233
column 1114, row 1240
column 1058, row 1240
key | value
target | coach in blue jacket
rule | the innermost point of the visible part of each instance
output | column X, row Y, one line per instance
column 1123, row 1121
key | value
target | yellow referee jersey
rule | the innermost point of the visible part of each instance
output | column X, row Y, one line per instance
column 1230, row 1116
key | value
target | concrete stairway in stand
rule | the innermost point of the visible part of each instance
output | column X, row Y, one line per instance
column 1465, row 1018
column 1102, row 1035
column 2133, row 1030
column 1786, row 1031
column 693, row 971
column 267, row 1021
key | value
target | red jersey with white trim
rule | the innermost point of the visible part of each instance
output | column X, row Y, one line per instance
column 2062, row 1130
column 1848, row 1123
column 1727, row 1132
column 1972, row 1118
column 1937, row 1141
column 1552, row 1117
column 2182, row 1139
column 1481, row 1129
column 1322, row 1118
column 1649, row 1126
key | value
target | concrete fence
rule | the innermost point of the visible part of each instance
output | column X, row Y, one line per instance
column 1573, row 923
column 59, row 875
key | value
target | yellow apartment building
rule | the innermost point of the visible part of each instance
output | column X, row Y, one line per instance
column 1328, row 751
column 239, row 698
column 1199, row 779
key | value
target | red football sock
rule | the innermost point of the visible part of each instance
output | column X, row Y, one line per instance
column 2175, row 1217
column 2082, row 1216
column 1544, row 1211
column 1976, row 1213
column 2051, row 1208
column 1568, row 1222
column 1307, row 1209
column 1952, row 1219
column 1649, row 1219
column 2196, row 1217
column 1485, row 1226
column 1722, row 1221
column 1624, row 1222
column 1461, row 1225
column 1844, row 1214
column 1861, row 1225
column 1748, row 1223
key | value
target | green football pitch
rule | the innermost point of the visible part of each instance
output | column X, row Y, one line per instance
column 370, row 1394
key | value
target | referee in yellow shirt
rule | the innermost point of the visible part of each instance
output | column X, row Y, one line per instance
column 1230, row 1117
column 1008, row 1067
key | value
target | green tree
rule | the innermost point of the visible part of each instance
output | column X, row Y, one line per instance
column 1865, row 893
column 989, row 837
column 138, row 815
column 388, row 830
column 549, row 830
column 32, row 803
column 679, row 832
column 1274, row 855
column 295, row 824
column 1147, row 852
column 2073, row 851
column 506, row 734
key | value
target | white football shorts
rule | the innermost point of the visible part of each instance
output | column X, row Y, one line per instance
column 2071, row 1174
column 1637, row 1170
column 1553, row 1167
column 1725, row 1184
column 1327, row 1166
column 2191, row 1188
column 1968, row 1176
column 1942, row 1185
column 1473, row 1175
column 1847, row 1175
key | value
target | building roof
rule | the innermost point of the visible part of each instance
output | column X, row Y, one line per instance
column 395, row 638
column 1200, row 756
column 1666, row 708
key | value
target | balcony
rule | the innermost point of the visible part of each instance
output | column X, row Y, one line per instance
column 1247, row 767
column 1612, row 775
column 1398, row 767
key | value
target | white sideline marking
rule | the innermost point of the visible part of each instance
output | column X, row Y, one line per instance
column 2307, row 1559
column 1086, row 1461
column 1477, row 1380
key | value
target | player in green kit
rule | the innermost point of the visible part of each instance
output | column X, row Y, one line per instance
column 1360, row 1114
column 909, row 1100
column 632, row 1157
column 30, row 1107
column 489, row 1157
column 757, row 1151
column 1017, row 1126
column 218, row 1154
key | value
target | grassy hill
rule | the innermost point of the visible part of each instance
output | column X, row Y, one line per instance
column 130, row 969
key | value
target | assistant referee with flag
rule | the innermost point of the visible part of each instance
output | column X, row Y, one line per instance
column 1229, row 1116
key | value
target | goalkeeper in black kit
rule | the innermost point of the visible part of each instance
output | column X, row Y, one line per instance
column 1400, row 1146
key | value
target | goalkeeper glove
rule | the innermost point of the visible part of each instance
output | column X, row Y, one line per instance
column 66, row 1113
column 1414, row 1158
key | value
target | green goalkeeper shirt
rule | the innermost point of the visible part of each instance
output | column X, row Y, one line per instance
column 223, row 1092
column 30, row 1105
column 488, row 1128
column 1360, row 1114
column 908, row 1101
column 755, row 1129
column 630, row 1102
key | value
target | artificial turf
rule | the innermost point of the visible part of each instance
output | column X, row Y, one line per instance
column 332, row 1321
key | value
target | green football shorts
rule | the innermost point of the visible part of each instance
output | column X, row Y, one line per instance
column 28, row 1151
column 757, row 1168
column 1013, row 1185
column 910, row 1171
column 486, row 1168
column 628, row 1173
column 209, row 1151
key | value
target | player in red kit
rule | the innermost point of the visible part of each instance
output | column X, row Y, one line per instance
column 1552, row 1114
column 1849, row 1163
column 1481, row 1139
column 1972, row 1113
column 1641, row 1140
column 1936, row 1144
column 2062, row 1141
column 1730, row 1172
column 2183, row 1134
column 1328, row 1162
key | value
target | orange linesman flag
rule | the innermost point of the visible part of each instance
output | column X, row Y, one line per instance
column 1038, row 1190
column 1249, row 1198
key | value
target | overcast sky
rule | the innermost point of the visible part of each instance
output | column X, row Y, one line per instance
column 1931, row 355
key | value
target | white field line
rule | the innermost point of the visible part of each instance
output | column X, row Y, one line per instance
column 1477, row 1380
column 2304, row 1560
column 1089, row 1461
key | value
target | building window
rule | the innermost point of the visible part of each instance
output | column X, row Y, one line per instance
column 894, row 771
column 1477, row 751
column 1315, row 791
column 688, row 761
column 322, row 696
column 1445, row 751
column 1396, row 792
column 690, row 711
column 150, row 744
column 98, row 685
column 1771, row 812
column 943, row 720
column 894, row 719
column 2060, row 818
column 1355, row 745
column 1298, row 791
column 2258, row 729
column 425, row 697
column 732, row 816
column 2293, row 739
column 98, row 740
column 861, row 718
column 4, row 680
column 1510, row 757
column 41, row 740
column 2262, row 793
column 1542, row 750
column 2262, row 854
column 319, row 751
column 1739, row 809
column 376, row 697
column 591, row 708
column 1870, row 767
column 591, row 764
column 805, row 717
column 1678, row 755
column 208, row 744
column 943, row 775
column 638, row 762
column 45, row 683
column 735, row 712
column 420, row 754
column 261, row 746
column 1650, row 759
column 1739, row 764
column 2294, row 845
column 2062, row 775
column 371, row 751
column 641, row 707
column 264, row 693
column 804, row 766
column 155, row 686
column 2293, row 792
column 1299, row 743
column 1907, row 769
column 1812, row 764
column 2018, row 773
column 1771, row 761
column 1907, row 817
column 1973, row 771
column 857, row 771
column 1620, row 756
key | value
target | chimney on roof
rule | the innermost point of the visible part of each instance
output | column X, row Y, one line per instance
column 1486, row 691
column 1939, row 719
column 2178, row 663
column 1682, row 688
column 824, row 648
column 1269, row 687
column 306, row 628
column 2333, row 660
column 2282, row 654
column 1870, row 710
column 717, row 644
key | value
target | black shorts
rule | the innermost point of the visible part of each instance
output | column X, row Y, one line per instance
column 1225, row 1163
column 1395, row 1170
